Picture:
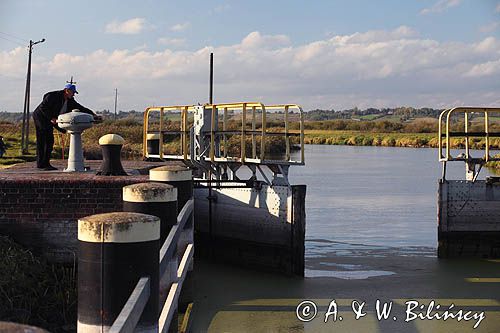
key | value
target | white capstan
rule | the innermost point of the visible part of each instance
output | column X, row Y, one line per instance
column 75, row 122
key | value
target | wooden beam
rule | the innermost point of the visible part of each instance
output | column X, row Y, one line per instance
column 132, row 310
column 175, row 290
column 169, row 247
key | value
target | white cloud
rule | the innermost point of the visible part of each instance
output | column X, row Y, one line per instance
column 13, row 63
column 180, row 26
column 489, row 45
column 485, row 69
column 440, row 6
column 129, row 27
column 383, row 35
column 256, row 40
column 174, row 42
column 369, row 69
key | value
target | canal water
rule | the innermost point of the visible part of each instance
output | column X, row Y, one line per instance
column 371, row 233
column 367, row 200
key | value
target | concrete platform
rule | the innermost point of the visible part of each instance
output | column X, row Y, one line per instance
column 39, row 209
column 134, row 167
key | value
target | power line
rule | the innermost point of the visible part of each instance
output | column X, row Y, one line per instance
column 12, row 41
column 14, row 36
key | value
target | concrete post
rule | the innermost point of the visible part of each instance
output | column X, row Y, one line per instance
column 178, row 176
column 155, row 199
column 114, row 251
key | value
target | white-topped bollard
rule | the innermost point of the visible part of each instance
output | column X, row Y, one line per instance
column 176, row 175
column 111, row 145
column 116, row 250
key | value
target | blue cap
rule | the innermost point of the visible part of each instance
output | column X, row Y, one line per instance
column 71, row 87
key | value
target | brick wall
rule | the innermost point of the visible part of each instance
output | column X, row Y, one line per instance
column 41, row 211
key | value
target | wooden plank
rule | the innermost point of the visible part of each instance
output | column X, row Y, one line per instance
column 169, row 247
column 173, row 295
column 132, row 310
column 184, row 265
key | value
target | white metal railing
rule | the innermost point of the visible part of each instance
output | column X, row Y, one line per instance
column 446, row 133
column 132, row 310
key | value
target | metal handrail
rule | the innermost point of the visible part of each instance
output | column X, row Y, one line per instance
column 184, row 132
column 446, row 116
column 215, row 132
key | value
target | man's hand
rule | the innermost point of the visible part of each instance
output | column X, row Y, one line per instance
column 53, row 121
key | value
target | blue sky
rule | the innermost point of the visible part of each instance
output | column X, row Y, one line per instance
column 321, row 54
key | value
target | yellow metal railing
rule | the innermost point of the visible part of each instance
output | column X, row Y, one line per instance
column 184, row 132
column 446, row 133
column 216, row 134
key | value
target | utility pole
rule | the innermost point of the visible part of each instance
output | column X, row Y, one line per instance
column 25, row 133
column 116, row 99
column 71, row 81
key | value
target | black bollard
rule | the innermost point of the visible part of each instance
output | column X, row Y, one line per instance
column 111, row 146
column 115, row 250
column 155, row 199
column 153, row 143
column 178, row 176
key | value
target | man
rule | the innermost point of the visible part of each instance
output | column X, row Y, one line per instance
column 45, row 115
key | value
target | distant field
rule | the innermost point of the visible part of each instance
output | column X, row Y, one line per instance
column 420, row 132
column 369, row 117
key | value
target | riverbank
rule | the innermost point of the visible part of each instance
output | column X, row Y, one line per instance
column 132, row 133
column 390, row 139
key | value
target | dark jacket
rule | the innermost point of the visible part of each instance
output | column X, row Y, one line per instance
column 53, row 105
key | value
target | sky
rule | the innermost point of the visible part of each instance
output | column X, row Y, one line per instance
column 328, row 54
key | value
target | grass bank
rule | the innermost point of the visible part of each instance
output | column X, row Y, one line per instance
column 315, row 133
column 35, row 292
column 394, row 139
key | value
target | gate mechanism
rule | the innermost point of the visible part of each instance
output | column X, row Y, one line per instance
column 219, row 139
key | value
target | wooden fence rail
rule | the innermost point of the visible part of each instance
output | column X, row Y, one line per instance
column 132, row 310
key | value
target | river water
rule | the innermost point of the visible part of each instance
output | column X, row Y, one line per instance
column 371, row 233
column 361, row 199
